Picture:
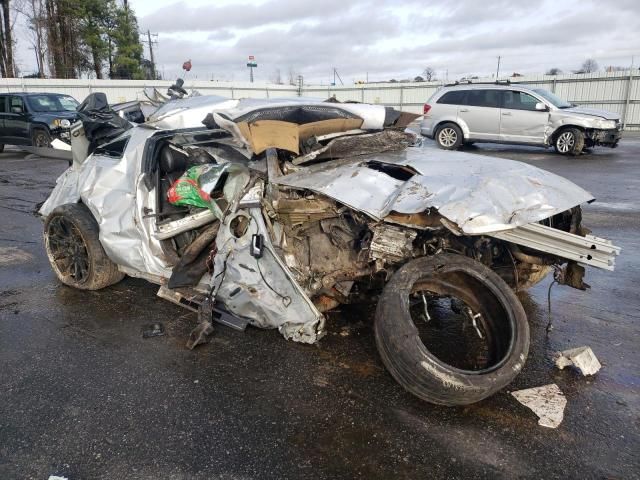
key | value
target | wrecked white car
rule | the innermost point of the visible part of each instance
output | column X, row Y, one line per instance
column 276, row 212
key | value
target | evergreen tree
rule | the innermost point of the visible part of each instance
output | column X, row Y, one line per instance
column 128, row 56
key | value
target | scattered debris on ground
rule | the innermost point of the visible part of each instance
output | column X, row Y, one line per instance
column 547, row 402
column 200, row 334
column 581, row 358
column 152, row 330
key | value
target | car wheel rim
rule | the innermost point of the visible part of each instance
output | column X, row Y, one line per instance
column 40, row 140
column 566, row 142
column 448, row 137
column 67, row 250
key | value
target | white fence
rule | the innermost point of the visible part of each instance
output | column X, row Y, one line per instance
column 616, row 91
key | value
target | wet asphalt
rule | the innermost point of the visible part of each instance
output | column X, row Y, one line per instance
column 84, row 396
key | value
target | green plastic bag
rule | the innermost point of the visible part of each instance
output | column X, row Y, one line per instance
column 186, row 191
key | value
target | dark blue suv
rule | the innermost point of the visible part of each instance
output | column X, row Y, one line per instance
column 35, row 118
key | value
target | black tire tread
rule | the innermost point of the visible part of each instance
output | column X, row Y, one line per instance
column 103, row 272
column 403, row 353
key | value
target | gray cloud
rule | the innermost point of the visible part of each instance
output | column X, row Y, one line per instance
column 388, row 38
column 391, row 40
column 180, row 17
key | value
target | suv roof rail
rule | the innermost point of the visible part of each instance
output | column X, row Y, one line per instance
column 469, row 82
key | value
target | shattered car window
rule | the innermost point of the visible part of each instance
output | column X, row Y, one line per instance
column 52, row 103
column 114, row 149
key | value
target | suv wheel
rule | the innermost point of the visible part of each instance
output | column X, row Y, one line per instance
column 569, row 142
column 449, row 136
column 40, row 138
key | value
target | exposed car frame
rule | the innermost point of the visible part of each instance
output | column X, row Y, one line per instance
column 313, row 205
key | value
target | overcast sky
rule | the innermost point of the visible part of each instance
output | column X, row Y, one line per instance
column 385, row 38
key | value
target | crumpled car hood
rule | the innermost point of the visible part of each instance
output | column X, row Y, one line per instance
column 479, row 194
column 594, row 112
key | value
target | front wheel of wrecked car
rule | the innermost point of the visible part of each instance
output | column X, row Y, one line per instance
column 74, row 250
column 569, row 141
column 450, row 330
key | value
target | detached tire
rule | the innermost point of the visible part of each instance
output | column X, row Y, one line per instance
column 74, row 250
column 416, row 368
column 569, row 141
column 449, row 136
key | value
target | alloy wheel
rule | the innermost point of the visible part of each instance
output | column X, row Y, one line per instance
column 565, row 142
column 447, row 137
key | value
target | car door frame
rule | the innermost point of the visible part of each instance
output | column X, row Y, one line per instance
column 536, row 123
column 16, row 134
column 3, row 136
column 478, row 111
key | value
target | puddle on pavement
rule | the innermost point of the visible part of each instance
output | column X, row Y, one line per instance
column 13, row 256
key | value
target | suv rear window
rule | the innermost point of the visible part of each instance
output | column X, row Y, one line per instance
column 456, row 97
column 483, row 98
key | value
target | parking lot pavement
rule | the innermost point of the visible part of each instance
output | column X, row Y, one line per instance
column 85, row 396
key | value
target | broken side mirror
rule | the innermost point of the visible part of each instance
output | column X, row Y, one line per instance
column 541, row 107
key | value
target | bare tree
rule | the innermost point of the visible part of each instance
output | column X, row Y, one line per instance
column 276, row 77
column 293, row 76
column 588, row 66
column 554, row 71
column 7, row 66
column 36, row 19
column 429, row 74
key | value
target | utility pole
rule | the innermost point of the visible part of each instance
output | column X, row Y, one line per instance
column 153, row 63
column 498, row 69
column 151, row 43
column 335, row 73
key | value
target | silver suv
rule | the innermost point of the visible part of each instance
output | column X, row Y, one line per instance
column 504, row 113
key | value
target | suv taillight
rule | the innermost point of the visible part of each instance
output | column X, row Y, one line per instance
column 426, row 108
